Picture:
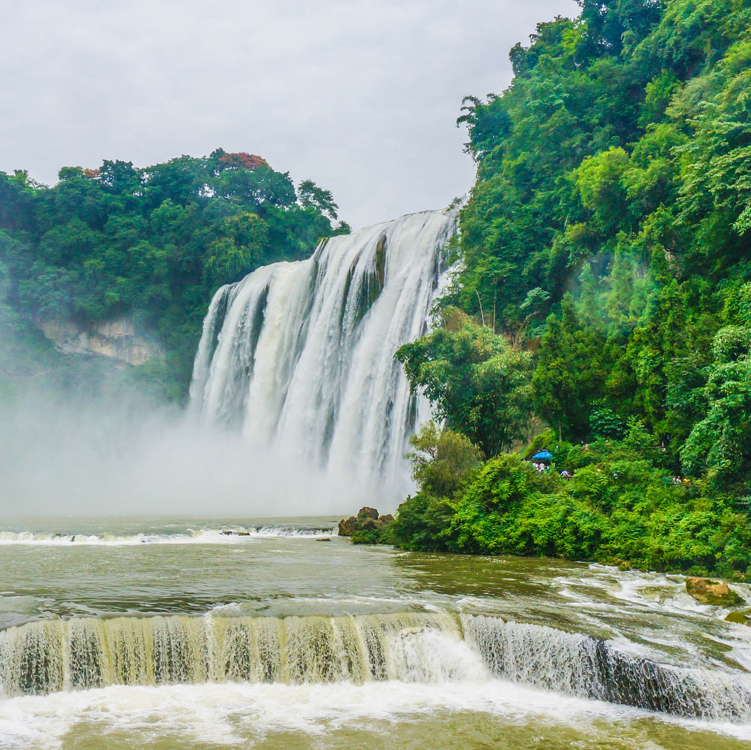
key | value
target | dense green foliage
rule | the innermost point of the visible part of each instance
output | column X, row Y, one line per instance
column 608, row 233
column 154, row 243
column 442, row 460
column 475, row 379
column 619, row 508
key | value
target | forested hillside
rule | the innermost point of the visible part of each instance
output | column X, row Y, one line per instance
column 607, row 273
column 152, row 243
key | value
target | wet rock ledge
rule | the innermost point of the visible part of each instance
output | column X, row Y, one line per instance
column 718, row 594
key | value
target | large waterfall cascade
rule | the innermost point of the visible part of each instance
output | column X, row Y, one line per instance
column 82, row 653
column 300, row 356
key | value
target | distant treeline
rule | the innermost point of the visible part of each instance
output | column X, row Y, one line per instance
column 154, row 243
column 607, row 276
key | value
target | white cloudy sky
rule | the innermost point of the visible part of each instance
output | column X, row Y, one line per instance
column 359, row 95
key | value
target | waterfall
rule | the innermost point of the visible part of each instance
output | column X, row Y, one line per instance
column 587, row 667
column 48, row 656
column 81, row 653
column 300, row 356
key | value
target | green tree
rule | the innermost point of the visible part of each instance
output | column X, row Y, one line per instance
column 720, row 443
column 442, row 460
column 474, row 379
column 572, row 367
column 311, row 196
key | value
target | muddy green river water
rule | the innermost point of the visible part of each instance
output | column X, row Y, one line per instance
column 273, row 633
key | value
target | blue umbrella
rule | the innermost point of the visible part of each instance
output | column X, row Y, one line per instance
column 545, row 455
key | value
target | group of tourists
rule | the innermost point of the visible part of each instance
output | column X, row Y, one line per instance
column 678, row 482
column 541, row 467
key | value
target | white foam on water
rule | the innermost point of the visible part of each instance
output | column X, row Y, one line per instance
column 651, row 590
column 234, row 713
column 228, row 535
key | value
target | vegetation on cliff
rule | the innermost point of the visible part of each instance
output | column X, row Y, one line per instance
column 154, row 243
column 619, row 507
column 607, row 266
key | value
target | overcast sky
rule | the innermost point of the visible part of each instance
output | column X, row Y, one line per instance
column 360, row 96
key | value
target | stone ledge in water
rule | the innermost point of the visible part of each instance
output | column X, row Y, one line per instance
column 712, row 592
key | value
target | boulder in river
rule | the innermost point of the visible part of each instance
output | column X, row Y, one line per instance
column 366, row 512
column 348, row 526
column 367, row 520
column 738, row 617
column 712, row 592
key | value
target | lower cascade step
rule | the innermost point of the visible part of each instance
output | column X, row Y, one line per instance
column 83, row 653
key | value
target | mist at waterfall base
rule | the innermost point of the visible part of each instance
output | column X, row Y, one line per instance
column 130, row 457
column 297, row 405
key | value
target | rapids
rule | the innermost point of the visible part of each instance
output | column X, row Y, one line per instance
column 84, row 653
column 278, row 640
column 170, row 643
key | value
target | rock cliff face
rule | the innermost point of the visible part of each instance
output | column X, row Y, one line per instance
column 117, row 339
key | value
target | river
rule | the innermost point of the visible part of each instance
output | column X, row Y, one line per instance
column 200, row 633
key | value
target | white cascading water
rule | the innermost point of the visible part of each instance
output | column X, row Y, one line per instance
column 86, row 652
column 300, row 356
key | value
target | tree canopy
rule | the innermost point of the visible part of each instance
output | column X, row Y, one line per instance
column 154, row 242
column 613, row 175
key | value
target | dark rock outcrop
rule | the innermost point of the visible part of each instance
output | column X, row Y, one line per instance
column 348, row 527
